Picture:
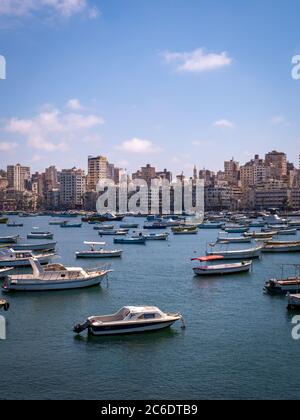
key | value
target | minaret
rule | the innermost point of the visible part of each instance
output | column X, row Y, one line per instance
column 195, row 175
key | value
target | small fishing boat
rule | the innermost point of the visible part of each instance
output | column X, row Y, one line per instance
column 290, row 285
column 129, row 319
column 293, row 246
column 40, row 235
column 14, row 224
column 11, row 258
column 98, row 253
column 53, row 277
column 260, row 235
column 211, row 225
column 4, row 272
column 184, row 227
column 106, row 227
column 206, row 270
column 3, row 220
column 8, row 239
column 238, row 229
column 233, row 239
column 241, row 254
column 4, row 305
column 156, row 236
column 155, row 225
column 48, row 246
column 287, row 232
column 56, row 223
column 108, row 217
column 293, row 301
column 113, row 232
column 70, row 225
column 129, row 226
column 257, row 224
column 141, row 240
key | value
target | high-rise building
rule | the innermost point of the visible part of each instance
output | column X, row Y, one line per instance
column 51, row 179
column 72, row 188
column 97, row 169
column 17, row 176
column 232, row 171
column 147, row 173
column 277, row 162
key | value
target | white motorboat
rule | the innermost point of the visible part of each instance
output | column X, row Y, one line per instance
column 98, row 253
column 206, row 270
column 274, row 219
column 129, row 319
column 40, row 235
column 8, row 239
column 11, row 258
column 156, row 236
column 260, row 235
column 240, row 254
column 54, row 277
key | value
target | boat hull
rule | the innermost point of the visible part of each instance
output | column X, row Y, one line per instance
column 125, row 329
column 240, row 255
column 40, row 285
column 98, row 254
column 24, row 262
column 210, row 271
column 34, row 247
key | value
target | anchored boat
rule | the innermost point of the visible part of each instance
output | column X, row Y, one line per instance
column 238, row 254
column 11, row 258
column 285, row 284
column 8, row 239
column 293, row 301
column 40, row 235
column 70, row 225
column 293, row 246
column 14, row 224
column 98, row 253
column 129, row 319
column 140, row 240
column 54, row 277
column 4, row 272
column 206, row 270
column 233, row 239
column 157, row 237
column 48, row 246
column 113, row 232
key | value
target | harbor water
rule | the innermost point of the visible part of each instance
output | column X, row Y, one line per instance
column 237, row 343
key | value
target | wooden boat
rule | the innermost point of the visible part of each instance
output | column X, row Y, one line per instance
column 98, row 253
column 3, row 220
column 11, row 258
column 293, row 246
column 108, row 217
column 47, row 246
column 14, row 224
column 184, row 228
column 53, row 277
column 8, row 239
column 40, row 235
column 289, row 285
column 129, row 319
column 157, row 237
column 141, row 240
column 70, row 225
column 238, row 254
column 206, row 270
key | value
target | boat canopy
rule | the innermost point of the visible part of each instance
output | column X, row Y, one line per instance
column 209, row 258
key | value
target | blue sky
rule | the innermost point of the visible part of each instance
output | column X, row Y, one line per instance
column 170, row 82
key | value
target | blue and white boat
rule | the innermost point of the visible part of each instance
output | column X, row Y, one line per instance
column 141, row 240
column 70, row 225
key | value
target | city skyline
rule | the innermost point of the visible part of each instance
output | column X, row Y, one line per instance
column 102, row 79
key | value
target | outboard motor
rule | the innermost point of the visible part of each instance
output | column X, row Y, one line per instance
column 79, row 328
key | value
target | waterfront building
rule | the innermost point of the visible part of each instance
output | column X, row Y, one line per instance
column 98, row 168
column 17, row 176
column 277, row 162
column 232, row 171
column 72, row 188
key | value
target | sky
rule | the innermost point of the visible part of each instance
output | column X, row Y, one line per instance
column 174, row 83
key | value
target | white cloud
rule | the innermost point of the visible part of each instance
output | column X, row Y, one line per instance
column 223, row 123
column 64, row 8
column 53, row 130
column 199, row 143
column 139, row 146
column 197, row 61
column 6, row 146
column 74, row 105
column 278, row 120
